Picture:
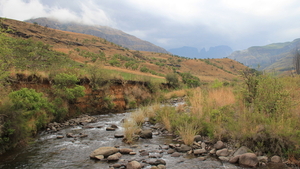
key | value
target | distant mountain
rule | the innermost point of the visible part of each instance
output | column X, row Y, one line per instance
column 216, row 52
column 185, row 51
column 276, row 56
column 113, row 35
column 213, row 52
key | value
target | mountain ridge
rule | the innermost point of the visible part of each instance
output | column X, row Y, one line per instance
column 110, row 34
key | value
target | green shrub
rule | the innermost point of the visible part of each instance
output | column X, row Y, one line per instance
column 144, row 69
column 190, row 80
column 172, row 79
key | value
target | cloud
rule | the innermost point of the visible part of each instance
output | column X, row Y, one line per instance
column 175, row 23
column 88, row 13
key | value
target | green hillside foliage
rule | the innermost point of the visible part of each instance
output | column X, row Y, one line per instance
column 276, row 56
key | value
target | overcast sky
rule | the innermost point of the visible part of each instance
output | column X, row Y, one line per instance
column 176, row 23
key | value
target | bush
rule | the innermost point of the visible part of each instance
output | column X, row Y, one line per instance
column 172, row 79
column 144, row 69
column 190, row 80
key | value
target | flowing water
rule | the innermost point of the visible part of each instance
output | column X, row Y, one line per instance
column 49, row 152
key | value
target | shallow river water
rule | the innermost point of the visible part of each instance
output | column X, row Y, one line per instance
column 49, row 152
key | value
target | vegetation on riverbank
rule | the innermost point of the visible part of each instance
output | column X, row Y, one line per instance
column 261, row 113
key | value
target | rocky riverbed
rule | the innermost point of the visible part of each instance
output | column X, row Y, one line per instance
column 96, row 142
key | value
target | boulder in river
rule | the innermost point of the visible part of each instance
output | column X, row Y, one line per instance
column 183, row 148
column 248, row 159
column 114, row 157
column 105, row 151
column 146, row 134
column 133, row 165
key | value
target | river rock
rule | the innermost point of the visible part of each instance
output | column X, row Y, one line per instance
column 222, row 158
column 176, row 154
column 183, row 148
column 198, row 138
column 70, row 135
column 242, row 150
column 59, row 136
column 110, row 129
column 170, row 151
column 276, row 159
column 157, row 162
column 235, row 159
column 219, row 145
column 223, row 152
column 133, row 165
column 114, row 157
column 248, row 159
column 99, row 157
column 160, row 166
column 105, row 151
column 119, row 135
column 114, row 126
column 132, row 153
column 146, row 134
column 199, row 151
column 125, row 150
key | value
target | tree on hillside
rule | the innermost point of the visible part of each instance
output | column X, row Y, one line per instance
column 297, row 61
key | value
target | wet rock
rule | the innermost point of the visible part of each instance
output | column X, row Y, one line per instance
column 222, row 158
column 212, row 151
column 155, row 155
column 132, row 153
column 157, row 162
column 276, row 159
column 105, row 151
column 144, row 153
column 176, row 154
column 99, row 126
column 203, row 145
column 133, row 165
column 235, row 159
column 201, row 158
column 110, row 129
column 146, row 134
column 183, row 148
column 83, row 135
column 161, row 166
column 198, row 138
column 114, row 126
column 70, row 135
column 99, row 157
column 242, row 150
column 60, row 137
column 114, row 157
column 248, row 159
column 223, row 152
column 199, row 151
column 119, row 135
column 170, row 151
column 125, row 150
column 219, row 145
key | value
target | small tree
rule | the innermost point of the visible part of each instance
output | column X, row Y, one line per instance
column 172, row 79
column 297, row 61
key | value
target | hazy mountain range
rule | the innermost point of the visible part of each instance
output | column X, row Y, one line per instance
column 276, row 56
column 192, row 52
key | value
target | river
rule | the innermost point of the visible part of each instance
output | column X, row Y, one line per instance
column 48, row 152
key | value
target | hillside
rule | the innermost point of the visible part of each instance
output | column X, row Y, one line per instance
column 113, row 35
column 92, row 50
column 276, row 56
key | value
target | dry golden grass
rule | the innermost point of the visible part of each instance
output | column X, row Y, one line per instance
column 187, row 133
column 197, row 101
column 176, row 93
column 138, row 117
column 166, row 122
column 220, row 97
column 130, row 129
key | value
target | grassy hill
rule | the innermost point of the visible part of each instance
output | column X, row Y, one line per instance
column 110, row 34
column 88, row 50
column 272, row 57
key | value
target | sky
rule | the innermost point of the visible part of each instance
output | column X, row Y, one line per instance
column 175, row 23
